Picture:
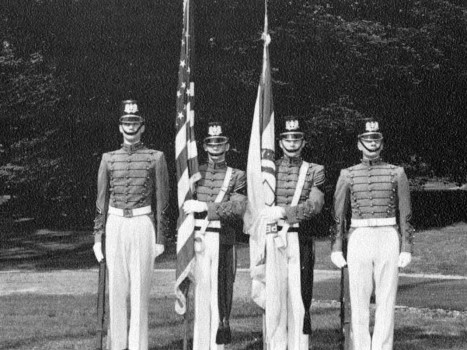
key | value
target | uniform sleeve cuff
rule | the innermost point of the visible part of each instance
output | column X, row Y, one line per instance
column 212, row 211
column 336, row 247
column 407, row 248
column 98, row 237
column 291, row 215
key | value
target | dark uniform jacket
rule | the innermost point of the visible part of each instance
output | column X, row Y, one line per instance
column 233, row 205
column 229, row 212
column 309, row 205
column 129, row 178
column 371, row 190
column 312, row 196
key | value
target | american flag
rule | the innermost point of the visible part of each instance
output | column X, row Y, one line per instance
column 186, row 159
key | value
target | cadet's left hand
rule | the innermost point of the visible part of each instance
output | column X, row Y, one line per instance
column 404, row 259
column 193, row 206
column 273, row 213
column 97, row 249
column 159, row 249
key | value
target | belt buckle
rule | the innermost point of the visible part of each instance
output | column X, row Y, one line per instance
column 127, row 213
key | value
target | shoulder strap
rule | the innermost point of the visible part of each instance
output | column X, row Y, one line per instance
column 282, row 235
column 301, row 181
column 225, row 185
column 219, row 198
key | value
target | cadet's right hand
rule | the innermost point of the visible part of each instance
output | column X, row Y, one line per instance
column 273, row 213
column 97, row 248
column 194, row 206
column 337, row 259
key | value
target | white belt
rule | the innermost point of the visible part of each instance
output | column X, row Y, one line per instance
column 373, row 222
column 129, row 213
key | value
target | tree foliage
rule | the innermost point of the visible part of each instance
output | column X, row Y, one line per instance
column 65, row 65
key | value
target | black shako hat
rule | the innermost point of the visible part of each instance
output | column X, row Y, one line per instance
column 129, row 111
column 215, row 135
column 291, row 129
column 371, row 130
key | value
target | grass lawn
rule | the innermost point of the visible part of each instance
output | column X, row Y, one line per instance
column 436, row 251
column 433, row 312
column 67, row 322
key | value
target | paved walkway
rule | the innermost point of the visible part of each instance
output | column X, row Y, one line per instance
column 76, row 282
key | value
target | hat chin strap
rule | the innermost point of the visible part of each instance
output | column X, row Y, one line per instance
column 298, row 150
column 132, row 133
column 217, row 154
column 370, row 150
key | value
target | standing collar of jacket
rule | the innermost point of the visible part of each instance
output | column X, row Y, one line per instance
column 375, row 161
column 219, row 165
column 292, row 160
column 132, row 148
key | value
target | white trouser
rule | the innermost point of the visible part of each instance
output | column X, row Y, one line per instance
column 289, row 334
column 130, row 254
column 372, row 255
column 206, row 305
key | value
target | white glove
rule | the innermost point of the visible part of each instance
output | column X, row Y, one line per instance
column 273, row 213
column 193, row 206
column 266, row 38
column 97, row 248
column 337, row 259
column 159, row 249
column 404, row 259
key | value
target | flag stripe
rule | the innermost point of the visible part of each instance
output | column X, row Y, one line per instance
column 186, row 161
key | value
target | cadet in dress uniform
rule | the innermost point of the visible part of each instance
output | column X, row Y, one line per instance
column 377, row 194
column 299, row 198
column 221, row 200
column 132, row 197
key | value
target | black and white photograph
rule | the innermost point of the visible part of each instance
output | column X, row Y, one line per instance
column 233, row 174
